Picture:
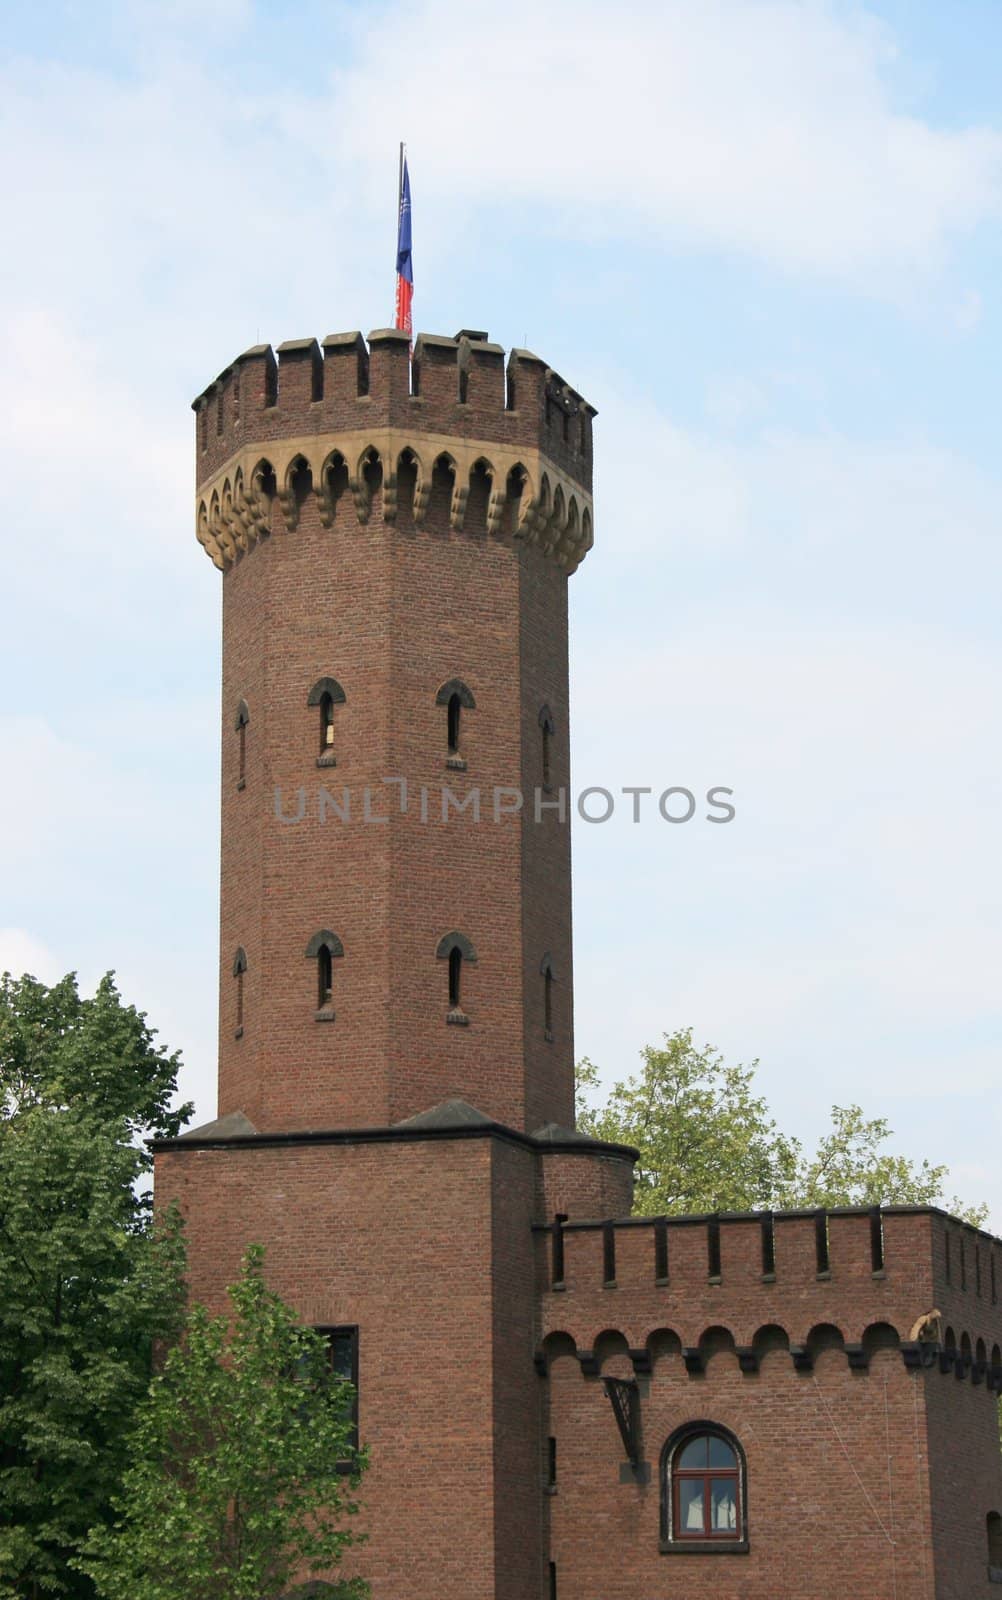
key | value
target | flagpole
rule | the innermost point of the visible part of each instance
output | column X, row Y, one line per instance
column 400, row 196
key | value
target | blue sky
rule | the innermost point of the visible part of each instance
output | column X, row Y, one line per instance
column 765, row 240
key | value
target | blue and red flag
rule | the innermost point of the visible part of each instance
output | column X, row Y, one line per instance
column 405, row 266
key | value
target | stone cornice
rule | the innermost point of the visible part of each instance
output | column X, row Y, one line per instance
column 234, row 507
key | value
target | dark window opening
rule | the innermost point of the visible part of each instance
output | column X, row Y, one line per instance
column 243, row 718
column 325, row 976
column 994, row 1529
column 455, row 949
column 821, row 1248
column 453, row 713
column 551, row 1462
column 553, row 1581
column 608, row 1254
column 661, row 1251
column 455, row 977
column 876, row 1240
column 713, row 1248
column 342, row 1360
column 768, row 1246
column 239, row 968
column 326, row 723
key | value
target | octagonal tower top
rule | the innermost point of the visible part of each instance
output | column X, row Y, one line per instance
column 287, row 424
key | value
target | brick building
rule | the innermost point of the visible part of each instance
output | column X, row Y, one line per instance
column 560, row 1400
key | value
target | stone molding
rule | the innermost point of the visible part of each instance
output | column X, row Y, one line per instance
column 234, row 509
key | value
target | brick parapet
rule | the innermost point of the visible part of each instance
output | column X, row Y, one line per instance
column 810, row 1274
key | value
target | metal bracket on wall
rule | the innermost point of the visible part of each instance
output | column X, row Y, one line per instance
column 624, row 1395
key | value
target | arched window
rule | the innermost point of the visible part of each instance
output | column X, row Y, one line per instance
column 456, row 949
column 547, row 728
column 456, row 698
column 239, row 968
column 324, row 948
column 242, row 719
column 325, row 695
column 546, row 972
column 703, row 1490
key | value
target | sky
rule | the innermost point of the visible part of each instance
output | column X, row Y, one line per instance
column 764, row 238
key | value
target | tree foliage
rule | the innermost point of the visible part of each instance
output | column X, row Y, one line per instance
column 86, row 1287
column 95, row 1055
column 237, row 1461
column 708, row 1142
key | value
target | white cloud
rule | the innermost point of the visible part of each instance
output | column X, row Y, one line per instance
column 763, row 126
column 21, row 952
column 808, row 619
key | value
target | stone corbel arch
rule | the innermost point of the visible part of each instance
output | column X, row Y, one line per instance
column 456, row 941
column 361, row 493
column 527, row 497
column 288, row 497
column 324, row 940
column 326, row 686
column 456, row 686
column 323, row 487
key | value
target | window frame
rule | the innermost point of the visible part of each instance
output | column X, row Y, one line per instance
column 674, row 1540
column 328, row 1332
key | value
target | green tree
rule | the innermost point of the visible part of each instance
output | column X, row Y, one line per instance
column 86, row 1284
column 236, row 1479
column 60, row 1049
column 708, row 1142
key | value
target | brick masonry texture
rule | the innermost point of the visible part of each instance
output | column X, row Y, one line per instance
column 491, row 1266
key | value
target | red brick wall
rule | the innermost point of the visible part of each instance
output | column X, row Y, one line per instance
column 426, row 1246
column 837, row 1490
column 875, row 1481
column 398, row 1240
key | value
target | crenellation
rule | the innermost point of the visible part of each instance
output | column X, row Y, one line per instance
column 300, row 375
column 389, row 375
column 345, row 376
column 460, row 388
column 436, row 368
column 796, row 1250
column 741, row 1251
column 481, row 365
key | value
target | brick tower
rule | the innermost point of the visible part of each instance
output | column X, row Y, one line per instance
column 394, row 682
column 743, row 1407
column 396, row 1051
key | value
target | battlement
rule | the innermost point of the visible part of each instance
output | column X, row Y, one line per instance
column 927, row 1283
column 460, row 388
